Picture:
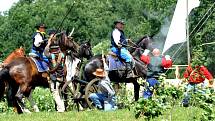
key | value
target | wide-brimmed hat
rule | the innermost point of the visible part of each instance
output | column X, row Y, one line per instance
column 40, row 25
column 119, row 21
column 99, row 73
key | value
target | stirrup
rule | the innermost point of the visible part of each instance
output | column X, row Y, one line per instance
column 33, row 55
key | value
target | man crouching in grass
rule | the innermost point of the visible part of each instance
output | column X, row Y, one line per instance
column 105, row 99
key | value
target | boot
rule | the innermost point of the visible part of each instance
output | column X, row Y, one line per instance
column 129, row 71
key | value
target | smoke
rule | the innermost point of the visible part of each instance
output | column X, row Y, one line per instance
column 159, row 29
column 160, row 37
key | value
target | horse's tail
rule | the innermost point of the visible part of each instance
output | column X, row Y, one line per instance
column 4, row 81
column 4, row 75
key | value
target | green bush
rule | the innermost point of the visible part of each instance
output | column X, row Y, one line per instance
column 163, row 98
column 42, row 97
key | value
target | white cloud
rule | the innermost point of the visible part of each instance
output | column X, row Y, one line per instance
column 6, row 4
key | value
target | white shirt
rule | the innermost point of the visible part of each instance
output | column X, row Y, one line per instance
column 116, row 36
column 38, row 40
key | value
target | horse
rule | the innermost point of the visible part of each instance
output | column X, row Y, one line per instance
column 139, row 69
column 19, row 52
column 22, row 75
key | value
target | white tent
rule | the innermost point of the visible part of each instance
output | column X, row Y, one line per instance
column 177, row 30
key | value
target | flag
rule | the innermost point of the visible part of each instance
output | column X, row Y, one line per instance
column 177, row 30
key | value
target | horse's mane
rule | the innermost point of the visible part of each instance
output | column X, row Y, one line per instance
column 76, row 46
column 96, row 56
column 67, row 43
column 140, row 43
column 16, row 53
column 141, row 39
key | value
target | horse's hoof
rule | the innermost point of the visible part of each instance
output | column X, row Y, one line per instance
column 26, row 111
column 36, row 109
column 60, row 111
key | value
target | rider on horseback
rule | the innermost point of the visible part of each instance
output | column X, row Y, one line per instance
column 39, row 42
column 118, row 46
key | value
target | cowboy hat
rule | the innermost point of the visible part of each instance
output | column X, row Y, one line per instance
column 40, row 25
column 119, row 21
column 99, row 72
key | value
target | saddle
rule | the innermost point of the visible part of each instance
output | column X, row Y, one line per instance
column 118, row 65
column 41, row 65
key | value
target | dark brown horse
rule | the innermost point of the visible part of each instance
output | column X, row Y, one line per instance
column 116, row 75
column 22, row 75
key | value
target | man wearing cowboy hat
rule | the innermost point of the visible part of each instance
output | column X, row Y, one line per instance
column 106, row 93
column 39, row 42
column 118, row 45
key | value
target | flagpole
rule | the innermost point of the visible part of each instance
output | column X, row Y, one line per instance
column 187, row 37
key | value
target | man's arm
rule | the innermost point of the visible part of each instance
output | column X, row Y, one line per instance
column 116, row 37
column 166, row 62
column 206, row 73
column 145, row 57
column 38, row 40
column 108, row 88
column 46, row 51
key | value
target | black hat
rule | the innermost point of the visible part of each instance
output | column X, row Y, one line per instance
column 40, row 25
column 119, row 21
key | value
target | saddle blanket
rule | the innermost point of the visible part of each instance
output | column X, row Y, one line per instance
column 41, row 65
column 115, row 63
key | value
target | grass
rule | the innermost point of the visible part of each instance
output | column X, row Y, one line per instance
column 120, row 115
column 178, row 114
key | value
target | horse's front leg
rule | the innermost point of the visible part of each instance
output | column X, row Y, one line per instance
column 136, row 90
column 32, row 102
column 19, row 97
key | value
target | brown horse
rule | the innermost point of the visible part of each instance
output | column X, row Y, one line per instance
column 19, row 52
column 22, row 75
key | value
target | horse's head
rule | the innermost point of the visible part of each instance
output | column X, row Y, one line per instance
column 66, row 43
column 20, row 52
column 142, row 44
column 145, row 42
column 85, row 50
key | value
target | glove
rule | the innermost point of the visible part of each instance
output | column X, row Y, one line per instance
column 211, row 81
column 146, row 52
column 145, row 59
column 119, row 45
column 167, row 57
column 128, row 40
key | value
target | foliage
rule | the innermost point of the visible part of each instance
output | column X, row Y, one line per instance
column 92, row 19
column 42, row 97
column 164, row 98
column 125, row 97
column 102, row 46
column 204, row 101
column 199, row 57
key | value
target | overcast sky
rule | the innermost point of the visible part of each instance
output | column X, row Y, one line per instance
column 6, row 4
